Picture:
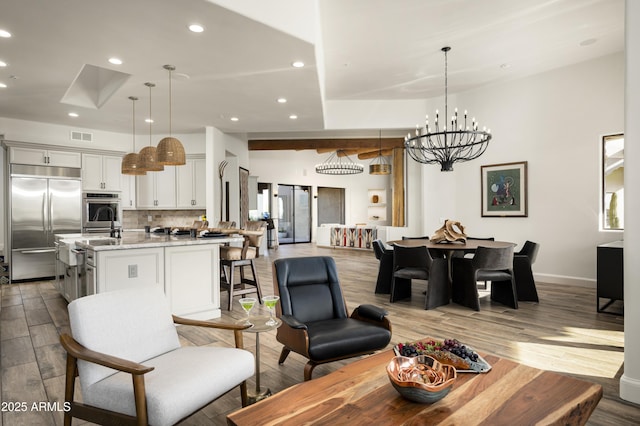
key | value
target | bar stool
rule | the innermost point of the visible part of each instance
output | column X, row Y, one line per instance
column 241, row 257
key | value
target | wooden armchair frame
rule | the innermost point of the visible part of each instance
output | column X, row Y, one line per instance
column 76, row 351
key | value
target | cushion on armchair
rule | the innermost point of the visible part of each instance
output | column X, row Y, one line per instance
column 170, row 400
column 338, row 338
column 103, row 323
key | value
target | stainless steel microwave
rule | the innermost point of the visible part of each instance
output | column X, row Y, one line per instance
column 99, row 209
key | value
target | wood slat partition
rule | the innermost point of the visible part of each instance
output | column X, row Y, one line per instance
column 398, row 197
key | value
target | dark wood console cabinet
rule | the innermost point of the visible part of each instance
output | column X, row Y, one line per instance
column 610, row 274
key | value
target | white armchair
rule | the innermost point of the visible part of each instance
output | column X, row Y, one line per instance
column 132, row 369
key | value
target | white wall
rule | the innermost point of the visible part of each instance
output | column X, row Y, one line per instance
column 55, row 134
column 630, row 380
column 298, row 168
column 555, row 122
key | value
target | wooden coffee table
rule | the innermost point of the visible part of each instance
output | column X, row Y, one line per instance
column 360, row 393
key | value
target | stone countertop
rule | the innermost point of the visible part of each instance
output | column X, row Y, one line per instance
column 137, row 240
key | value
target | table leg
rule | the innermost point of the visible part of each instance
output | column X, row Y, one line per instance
column 259, row 393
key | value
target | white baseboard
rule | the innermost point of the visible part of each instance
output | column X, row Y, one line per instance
column 565, row 280
column 630, row 389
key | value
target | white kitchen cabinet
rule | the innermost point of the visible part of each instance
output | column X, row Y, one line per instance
column 101, row 172
column 192, row 280
column 44, row 157
column 128, row 195
column 120, row 269
column 157, row 190
column 190, row 184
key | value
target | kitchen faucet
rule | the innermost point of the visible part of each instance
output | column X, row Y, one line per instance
column 112, row 232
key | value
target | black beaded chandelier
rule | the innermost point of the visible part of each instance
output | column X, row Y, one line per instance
column 445, row 146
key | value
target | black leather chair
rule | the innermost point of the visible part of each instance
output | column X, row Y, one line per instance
column 315, row 323
column 385, row 270
column 523, row 274
column 411, row 263
column 488, row 264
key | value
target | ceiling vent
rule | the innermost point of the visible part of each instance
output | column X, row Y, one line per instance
column 81, row 136
column 93, row 86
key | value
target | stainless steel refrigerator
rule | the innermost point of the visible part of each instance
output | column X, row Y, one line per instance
column 44, row 201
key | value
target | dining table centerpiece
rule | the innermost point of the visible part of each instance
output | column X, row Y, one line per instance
column 451, row 231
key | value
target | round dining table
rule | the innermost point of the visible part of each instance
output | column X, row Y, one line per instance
column 447, row 248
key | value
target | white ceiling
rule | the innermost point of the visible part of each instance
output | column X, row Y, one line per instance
column 239, row 66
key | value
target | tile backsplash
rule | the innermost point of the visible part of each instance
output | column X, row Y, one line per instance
column 138, row 219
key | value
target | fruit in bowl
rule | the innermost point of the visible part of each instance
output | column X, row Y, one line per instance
column 421, row 378
column 447, row 351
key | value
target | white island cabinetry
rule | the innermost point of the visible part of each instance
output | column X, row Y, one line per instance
column 187, row 269
column 121, row 269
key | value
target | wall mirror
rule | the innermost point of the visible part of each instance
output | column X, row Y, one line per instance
column 613, row 182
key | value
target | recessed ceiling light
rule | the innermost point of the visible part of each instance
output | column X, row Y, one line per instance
column 5, row 34
column 298, row 64
column 73, row 114
column 196, row 28
column 293, row 117
column 3, row 64
column 282, row 101
column 115, row 61
column 148, row 120
column 3, row 86
column 234, row 119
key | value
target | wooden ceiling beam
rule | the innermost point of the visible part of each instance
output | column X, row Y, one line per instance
column 328, row 144
column 373, row 154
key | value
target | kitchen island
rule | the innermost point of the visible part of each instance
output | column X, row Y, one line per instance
column 187, row 269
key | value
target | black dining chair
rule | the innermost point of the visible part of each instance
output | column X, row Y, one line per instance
column 385, row 269
column 470, row 253
column 488, row 264
column 523, row 274
column 411, row 263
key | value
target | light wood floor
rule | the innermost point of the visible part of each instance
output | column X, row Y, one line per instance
column 563, row 333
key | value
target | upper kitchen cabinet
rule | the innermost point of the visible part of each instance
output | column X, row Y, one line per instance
column 101, row 172
column 190, row 184
column 44, row 157
column 157, row 190
column 128, row 195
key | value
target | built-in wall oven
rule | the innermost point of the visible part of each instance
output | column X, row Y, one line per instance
column 101, row 211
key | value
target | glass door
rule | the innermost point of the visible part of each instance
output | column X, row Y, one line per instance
column 294, row 214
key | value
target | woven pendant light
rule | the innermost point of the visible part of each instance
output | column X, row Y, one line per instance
column 170, row 150
column 380, row 165
column 147, row 157
column 130, row 161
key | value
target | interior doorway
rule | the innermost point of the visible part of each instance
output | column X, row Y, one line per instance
column 294, row 214
column 330, row 205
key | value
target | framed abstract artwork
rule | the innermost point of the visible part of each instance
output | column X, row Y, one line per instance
column 504, row 190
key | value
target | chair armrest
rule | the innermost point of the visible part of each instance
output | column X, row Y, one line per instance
column 210, row 324
column 292, row 322
column 236, row 328
column 370, row 311
column 78, row 351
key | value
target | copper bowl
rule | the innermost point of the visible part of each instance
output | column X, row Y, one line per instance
column 421, row 379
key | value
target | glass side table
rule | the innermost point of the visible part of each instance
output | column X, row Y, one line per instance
column 259, row 325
